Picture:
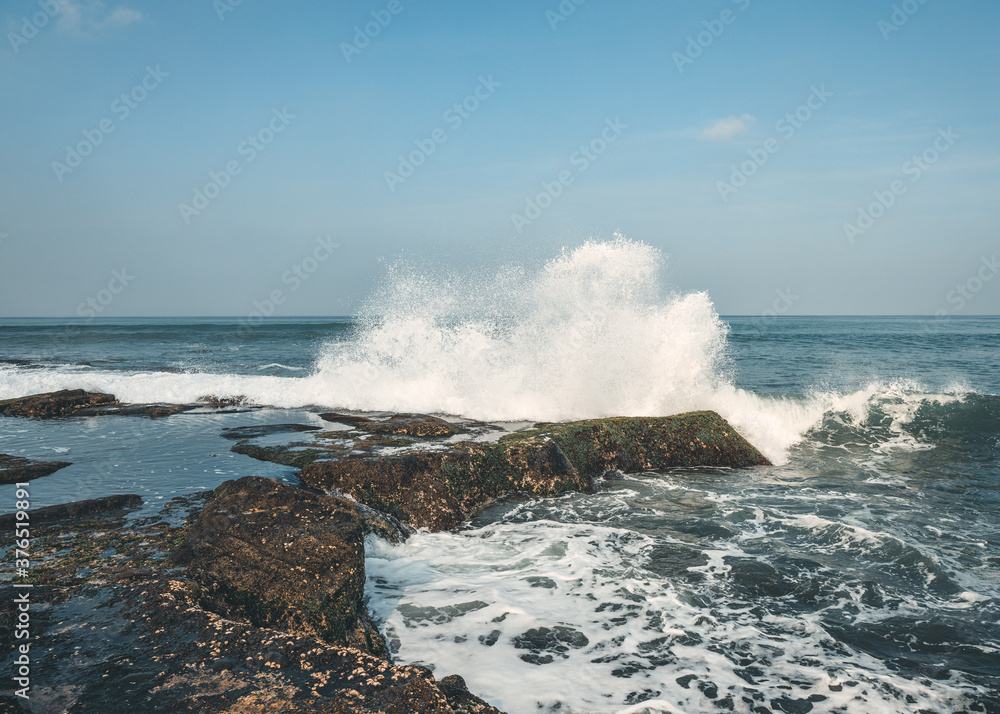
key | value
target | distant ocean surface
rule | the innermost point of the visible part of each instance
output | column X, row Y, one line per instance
column 861, row 573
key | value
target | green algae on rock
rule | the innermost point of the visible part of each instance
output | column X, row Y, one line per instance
column 635, row 444
column 77, row 402
column 440, row 489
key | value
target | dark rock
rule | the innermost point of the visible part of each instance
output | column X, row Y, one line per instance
column 459, row 696
column 77, row 402
column 350, row 419
column 288, row 455
column 221, row 665
column 14, row 469
column 252, row 432
column 75, row 509
column 153, row 411
column 420, row 425
column 440, row 489
column 110, row 643
column 222, row 402
column 636, row 444
column 281, row 557
column 54, row 404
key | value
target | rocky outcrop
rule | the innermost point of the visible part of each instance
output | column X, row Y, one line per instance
column 77, row 402
column 14, row 469
column 419, row 425
column 155, row 639
column 440, row 489
column 636, row 444
column 280, row 557
column 54, row 404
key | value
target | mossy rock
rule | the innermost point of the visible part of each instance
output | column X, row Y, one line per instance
column 440, row 489
column 636, row 444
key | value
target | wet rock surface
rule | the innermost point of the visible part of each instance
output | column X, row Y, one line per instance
column 77, row 402
column 76, row 509
column 118, row 626
column 280, row 557
column 419, row 425
column 440, row 489
column 253, row 432
column 636, row 444
column 14, row 469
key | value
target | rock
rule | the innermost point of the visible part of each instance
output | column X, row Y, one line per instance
column 440, row 489
column 76, row 509
column 77, row 402
column 636, row 444
column 153, row 411
column 132, row 635
column 420, row 425
column 350, row 419
column 284, row 558
column 14, row 469
column 288, row 455
column 54, row 404
column 253, row 432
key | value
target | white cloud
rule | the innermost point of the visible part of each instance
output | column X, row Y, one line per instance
column 84, row 18
column 725, row 129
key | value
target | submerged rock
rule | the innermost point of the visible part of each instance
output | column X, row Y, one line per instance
column 14, row 469
column 635, row 444
column 77, row 402
column 440, row 489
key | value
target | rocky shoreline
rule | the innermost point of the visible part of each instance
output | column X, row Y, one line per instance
column 250, row 597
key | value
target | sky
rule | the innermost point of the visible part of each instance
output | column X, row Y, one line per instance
column 192, row 158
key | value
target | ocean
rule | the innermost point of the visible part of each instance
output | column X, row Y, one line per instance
column 859, row 573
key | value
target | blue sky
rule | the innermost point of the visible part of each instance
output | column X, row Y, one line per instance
column 646, row 108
